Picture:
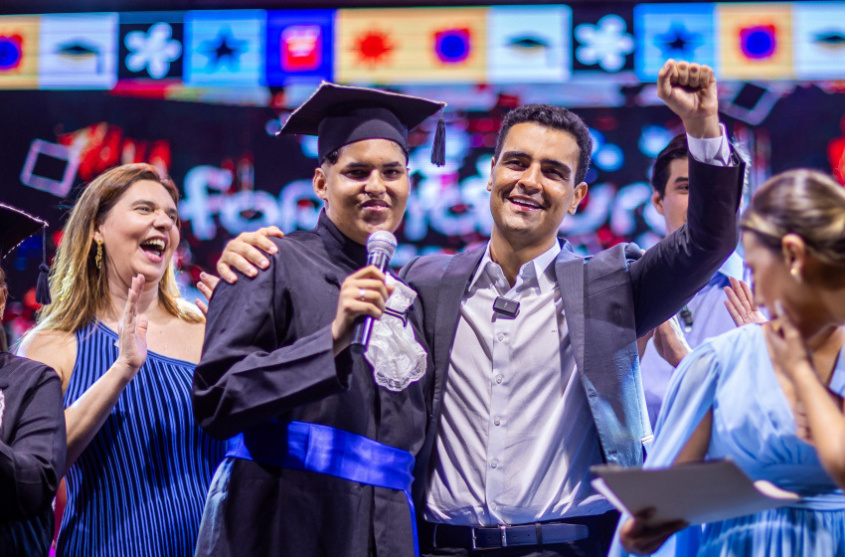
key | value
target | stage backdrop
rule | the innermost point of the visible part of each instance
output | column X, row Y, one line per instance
column 216, row 135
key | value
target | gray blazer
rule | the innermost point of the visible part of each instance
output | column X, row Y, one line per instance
column 610, row 299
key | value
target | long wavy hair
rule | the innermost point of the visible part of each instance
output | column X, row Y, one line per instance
column 80, row 290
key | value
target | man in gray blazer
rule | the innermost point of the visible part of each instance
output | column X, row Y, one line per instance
column 536, row 369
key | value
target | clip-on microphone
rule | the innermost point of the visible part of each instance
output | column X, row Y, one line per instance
column 506, row 307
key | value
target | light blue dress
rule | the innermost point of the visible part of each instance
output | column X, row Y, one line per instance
column 754, row 426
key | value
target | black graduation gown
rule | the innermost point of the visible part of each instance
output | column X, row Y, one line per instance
column 268, row 355
column 33, row 444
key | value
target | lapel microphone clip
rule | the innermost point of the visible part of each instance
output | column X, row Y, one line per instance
column 686, row 317
column 506, row 307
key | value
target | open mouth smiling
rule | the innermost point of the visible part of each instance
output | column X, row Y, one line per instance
column 154, row 248
column 524, row 203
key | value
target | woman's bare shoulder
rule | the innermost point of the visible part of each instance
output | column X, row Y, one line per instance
column 177, row 338
column 55, row 348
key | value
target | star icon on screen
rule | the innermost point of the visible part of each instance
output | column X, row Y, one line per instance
column 225, row 48
column 677, row 42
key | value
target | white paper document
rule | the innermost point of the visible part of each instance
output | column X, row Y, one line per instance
column 696, row 492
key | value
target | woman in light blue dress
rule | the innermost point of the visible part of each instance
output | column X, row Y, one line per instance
column 731, row 399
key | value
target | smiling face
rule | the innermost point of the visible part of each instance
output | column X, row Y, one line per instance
column 674, row 202
column 139, row 234
column 366, row 189
column 532, row 184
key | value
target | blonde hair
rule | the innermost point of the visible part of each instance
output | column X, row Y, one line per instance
column 79, row 289
column 804, row 202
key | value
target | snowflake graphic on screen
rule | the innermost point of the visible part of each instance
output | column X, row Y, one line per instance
column 606, row 43
column 154, row 50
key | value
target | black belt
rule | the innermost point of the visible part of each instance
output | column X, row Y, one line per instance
column 504, row 535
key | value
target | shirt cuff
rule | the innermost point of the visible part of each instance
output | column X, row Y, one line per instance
column 711, row 150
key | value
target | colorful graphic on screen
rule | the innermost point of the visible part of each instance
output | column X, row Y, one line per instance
column 78, row 51
column 19, row 52
column 758, row 42
column 755, row 41
column 679, row 31
column 529, row 44
column 11, row 52
column 452, row 46
column 411, row 45
column 373, row 47
column 299, row 46
column 603, row 41
column 225, row 48
column 151, row 46
column 819, row 34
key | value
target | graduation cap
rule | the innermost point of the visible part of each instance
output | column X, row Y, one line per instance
column 339, row 115
column 15, row 227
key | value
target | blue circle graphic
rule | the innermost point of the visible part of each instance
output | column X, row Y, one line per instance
column 758, row 42
column 10, row 53
column 453, row 45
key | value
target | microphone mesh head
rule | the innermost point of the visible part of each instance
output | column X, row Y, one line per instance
column 382, row 241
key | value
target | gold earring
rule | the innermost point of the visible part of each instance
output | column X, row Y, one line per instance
column 795, row 274
column 98, row 258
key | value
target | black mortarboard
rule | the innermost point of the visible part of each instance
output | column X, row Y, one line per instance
column 15, row 227
column 339, row 115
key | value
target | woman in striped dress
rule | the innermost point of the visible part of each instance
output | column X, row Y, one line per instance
column 125, row 345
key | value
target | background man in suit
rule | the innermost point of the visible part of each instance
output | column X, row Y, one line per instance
column 527, row 397
column 706, row 315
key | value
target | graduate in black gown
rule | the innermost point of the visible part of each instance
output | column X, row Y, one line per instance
column 32, row 427
column 316, row 431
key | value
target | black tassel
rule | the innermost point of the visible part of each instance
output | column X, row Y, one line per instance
column 438, row 151
column 42, row 288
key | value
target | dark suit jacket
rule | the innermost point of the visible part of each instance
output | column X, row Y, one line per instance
column 32, row 454
column 610, row 300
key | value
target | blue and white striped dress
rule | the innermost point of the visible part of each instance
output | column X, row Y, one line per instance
column 140, row 486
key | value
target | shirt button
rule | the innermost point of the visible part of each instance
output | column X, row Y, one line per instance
column 500, row 336
column 496, row 420
column 494, row 464
column 499, row 379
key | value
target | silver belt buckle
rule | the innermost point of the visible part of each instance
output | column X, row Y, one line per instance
column 504, row 530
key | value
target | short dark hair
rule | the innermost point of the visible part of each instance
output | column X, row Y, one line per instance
column 676, row 149
column 332, row 157
column 556, row 118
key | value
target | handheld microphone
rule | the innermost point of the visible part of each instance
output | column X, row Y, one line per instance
column 381, row 245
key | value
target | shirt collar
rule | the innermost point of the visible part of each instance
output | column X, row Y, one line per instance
column 341, row 248
column 733, row 267
column 541, row 266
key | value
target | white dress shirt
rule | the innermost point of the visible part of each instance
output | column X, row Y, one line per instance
column 516, row 438
column 515, row 417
